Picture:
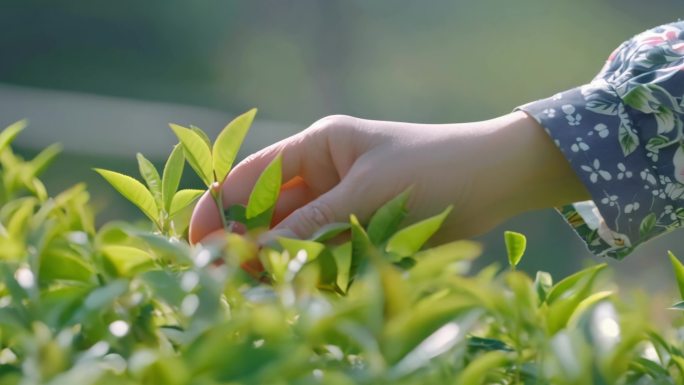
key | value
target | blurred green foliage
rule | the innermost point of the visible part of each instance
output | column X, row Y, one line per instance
column 124, row 305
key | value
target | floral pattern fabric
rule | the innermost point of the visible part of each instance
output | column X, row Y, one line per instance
column 623, row 135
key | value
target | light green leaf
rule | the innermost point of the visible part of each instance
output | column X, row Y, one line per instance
column 409, row 240
column 571, row 282
column 126, row 260
column 515, row 247
column 342, row 255
column 587, row 303
column 18, row 222
column 228, row 143
column 679, row 272
column 151, row 177
column 132, row 190
column 386, row 220
column 173, row 170
column 8, row 134
column 182, row 199
column 202, row 134
column 263, row 198
column 542, row 285
column 197, row 152
column 477, row 371
column 293, row 246
column 439, row 260
column 41, row 161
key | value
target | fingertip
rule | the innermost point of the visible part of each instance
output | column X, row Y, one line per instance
column 205, row 219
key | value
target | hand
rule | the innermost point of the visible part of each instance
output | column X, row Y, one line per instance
column 488, row 170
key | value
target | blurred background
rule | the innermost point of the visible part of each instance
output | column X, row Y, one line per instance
column 105, row 78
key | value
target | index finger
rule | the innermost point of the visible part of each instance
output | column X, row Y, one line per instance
column 238, row 185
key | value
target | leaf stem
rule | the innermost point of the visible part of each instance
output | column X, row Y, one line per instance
column 217, row 194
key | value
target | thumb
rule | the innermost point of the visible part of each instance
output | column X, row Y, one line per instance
column 333, row 206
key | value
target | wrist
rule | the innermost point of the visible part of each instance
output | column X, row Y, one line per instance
column 532, row 171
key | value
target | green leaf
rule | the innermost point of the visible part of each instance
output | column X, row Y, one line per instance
column 679, row 272
column 228, row 143
column 165, row 285
column 201, row 134
column 197, row 153
column 487, row 344
column 293, row 246
column 585, row 304
column 8, row 134
column 677, row 306
column 569, row 283
column 173, row 170
column 542, row 285
column 236, row 213
column 409, row 240
column 151, row 177
column 183, row 199
column 60, row 263
column 515, row 247
column 342, row 255
column 132, row 190
column 329, row 231
column 561, row 310
column 263, row 198
column 438, row 260
column 361, row 246
column 386, row 220
column 126, row 260
column 479, row 369
column 41, row 161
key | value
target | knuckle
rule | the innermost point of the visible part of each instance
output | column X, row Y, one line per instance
column 313, row 216
column 335, row 123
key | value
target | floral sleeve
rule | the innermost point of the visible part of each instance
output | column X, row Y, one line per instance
column 622, row 134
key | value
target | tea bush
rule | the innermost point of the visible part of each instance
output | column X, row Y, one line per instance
column 130, row 305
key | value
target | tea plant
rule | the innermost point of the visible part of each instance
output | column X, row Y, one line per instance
column 124, row 305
